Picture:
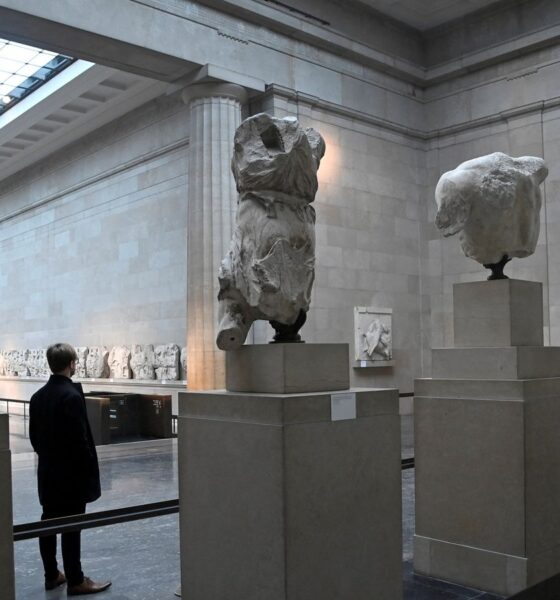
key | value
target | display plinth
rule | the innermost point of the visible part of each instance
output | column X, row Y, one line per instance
column 503, row 312
column 487, row 458
column 287, row 368
column 6, row 516
column 278, row 501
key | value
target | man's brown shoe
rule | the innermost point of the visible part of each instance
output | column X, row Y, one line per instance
column 51, row 584
column 88, row 587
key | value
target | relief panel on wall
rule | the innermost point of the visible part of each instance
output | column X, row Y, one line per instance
column 373, row 336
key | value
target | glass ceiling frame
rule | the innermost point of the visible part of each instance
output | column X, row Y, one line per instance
column 23, row 69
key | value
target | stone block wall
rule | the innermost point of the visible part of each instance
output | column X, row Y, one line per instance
column 103, row 260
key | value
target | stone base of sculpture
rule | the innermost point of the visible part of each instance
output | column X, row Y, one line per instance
column 487, row 449
column 287, row 368
column 6, row 518
column 280, row 501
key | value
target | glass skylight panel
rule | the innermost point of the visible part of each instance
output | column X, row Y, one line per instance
column 23, row 69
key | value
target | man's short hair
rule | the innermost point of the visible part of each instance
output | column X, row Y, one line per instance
column 59, row 356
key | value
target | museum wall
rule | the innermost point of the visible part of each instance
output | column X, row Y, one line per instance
column 103, row 260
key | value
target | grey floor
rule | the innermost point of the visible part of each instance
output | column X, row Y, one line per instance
column 142, row 557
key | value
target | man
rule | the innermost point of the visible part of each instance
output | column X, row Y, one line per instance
column 68, row 472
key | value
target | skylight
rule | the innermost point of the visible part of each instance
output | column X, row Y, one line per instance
column 23, row 69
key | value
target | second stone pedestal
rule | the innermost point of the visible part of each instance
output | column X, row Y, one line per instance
column 487, row 448
column 6, row 520
column 281, row 502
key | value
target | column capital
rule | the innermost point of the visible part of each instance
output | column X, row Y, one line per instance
column 214, row 90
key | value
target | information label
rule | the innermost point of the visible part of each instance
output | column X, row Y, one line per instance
column 343, row 406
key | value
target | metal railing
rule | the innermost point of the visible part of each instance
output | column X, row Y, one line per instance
column 25, row 403
column 26, row 531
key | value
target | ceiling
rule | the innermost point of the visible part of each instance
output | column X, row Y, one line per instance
column 424, row 14
column 82, row 98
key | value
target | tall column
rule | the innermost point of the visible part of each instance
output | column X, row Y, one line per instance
column 215, row 114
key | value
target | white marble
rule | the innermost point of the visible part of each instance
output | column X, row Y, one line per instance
column 16, row 362
column 82, row 352
column 269, row 270
column 373, row 335
column 97, row 362
column 494, row 203
column 119, row 362
column 37, row 365
column 184, row 363
column 166, row 362
column 142, row 361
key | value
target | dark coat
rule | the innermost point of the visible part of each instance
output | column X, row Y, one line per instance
column 59, row 431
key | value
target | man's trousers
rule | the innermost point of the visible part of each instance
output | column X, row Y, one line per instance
column 70, row 544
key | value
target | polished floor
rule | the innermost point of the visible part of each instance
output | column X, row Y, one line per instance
column 142, row 557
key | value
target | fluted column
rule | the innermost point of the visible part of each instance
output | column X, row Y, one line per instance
column 215, row 114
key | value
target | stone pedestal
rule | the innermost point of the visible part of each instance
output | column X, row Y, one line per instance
column 487, row 452
column 6, row 519
column 506, row 312
column 287, row 368
column 281, row 502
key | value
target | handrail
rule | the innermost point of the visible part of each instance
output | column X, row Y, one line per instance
column 401, row 395
column 14, row 400
column 26, row 531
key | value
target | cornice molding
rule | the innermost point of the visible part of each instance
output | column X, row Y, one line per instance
column 417, row 134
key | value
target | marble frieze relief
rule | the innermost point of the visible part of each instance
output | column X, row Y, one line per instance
column 373, row 336
column 138, row 361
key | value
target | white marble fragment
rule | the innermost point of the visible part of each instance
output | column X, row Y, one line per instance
column 81, row 363
column 97, row 362
column 377, row 340
column 37, row 365
column 142, row 361
column 167, row 361
column 119, row 362
column 269, row 270
column 184, row 363
column 494, row 203
column 16, row 363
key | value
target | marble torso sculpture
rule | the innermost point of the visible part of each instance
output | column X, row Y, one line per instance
column 184, row 362
column 82, row 352
column 37, row 364
column 494, row 203
column 119, row 362
column 97, row 362
column 142, row 361
column 269, row 270
column 167, row 361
